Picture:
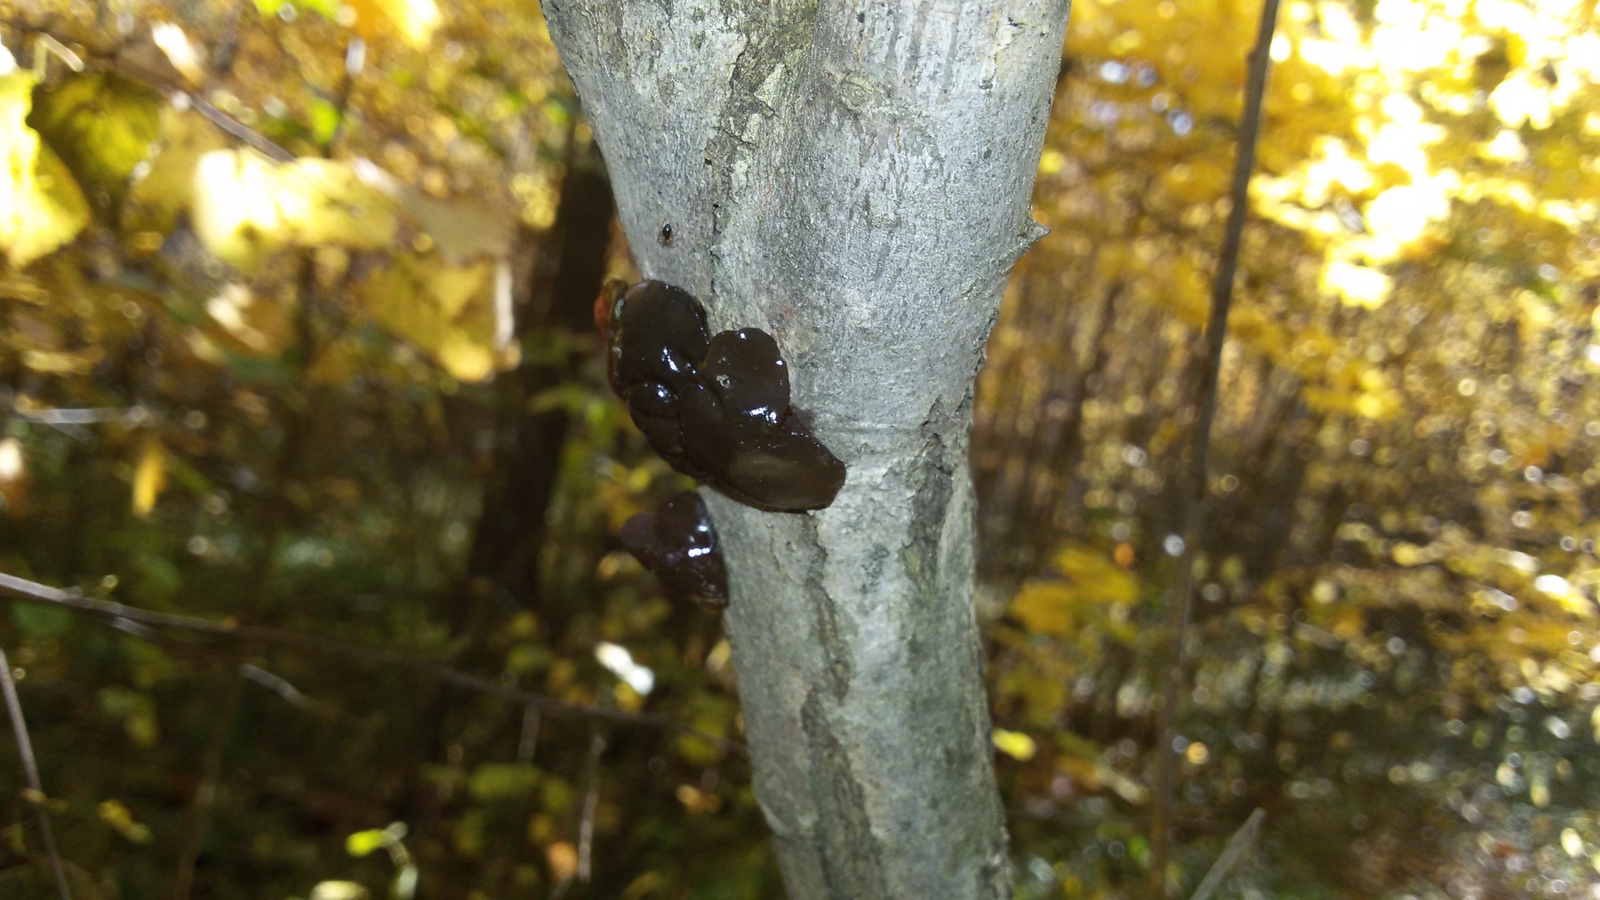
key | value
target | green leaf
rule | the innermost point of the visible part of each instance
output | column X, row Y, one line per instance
column 328, row 9
column 364, row 842
column 571, row 398
column 527, row 658
column 135, row 710
column 39, row 622
column 324, row 121
column 101, row 125
column 502, row 781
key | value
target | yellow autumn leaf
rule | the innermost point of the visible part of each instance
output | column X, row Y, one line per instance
column 696, row 801
column 245, row 206
column 1400, row 217
column 41, row 206
column 451, row 312
column 1201, row 181
column 149, row 476
column 58, row 362
column 117, row 815
column 1014, row 744
column 255, row 325
column 166, row 186
column 362, row 843
column 1095, row 574
column 173, row 43
column 1078, row 759
column 563, row 859
column 1565, row 594
column 12, row 467
column 1087, row 593
column 1356, row 285
column 1046, row 607
column 415, row 20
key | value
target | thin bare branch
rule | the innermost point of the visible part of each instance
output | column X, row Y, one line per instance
column 249, row 671
column 530, row 734
column 591, row 802
column 295, row 697
column 1206, row 390
column 30, row 590
column 1238, row 845
column 30, row 770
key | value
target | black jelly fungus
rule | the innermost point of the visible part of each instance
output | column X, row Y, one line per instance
column 746, row 373
column 678, row 544
column 716, row 407
column 655, row 330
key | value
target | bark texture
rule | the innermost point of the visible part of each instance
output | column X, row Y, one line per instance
column 853, row 176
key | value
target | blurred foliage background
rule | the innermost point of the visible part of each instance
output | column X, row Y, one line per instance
column 295, row 333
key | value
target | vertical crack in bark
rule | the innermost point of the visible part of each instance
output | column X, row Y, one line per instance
column 836, row 656
column 851, row 862
column 931, row 474
column 783, row 39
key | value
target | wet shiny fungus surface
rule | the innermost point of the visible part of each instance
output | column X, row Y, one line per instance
column 678, row 545
column 716, row 408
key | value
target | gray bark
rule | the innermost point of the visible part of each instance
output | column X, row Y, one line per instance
column 853, row 176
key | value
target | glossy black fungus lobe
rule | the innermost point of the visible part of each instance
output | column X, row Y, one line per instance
column 678, row 545
column 716, row 408
column 657, row 334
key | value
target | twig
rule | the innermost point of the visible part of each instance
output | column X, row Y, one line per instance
column 30, row 590
column 90, row 416
column 30, row 770
column 249, row 671
column 247, row 135
column 295, row 697
column 591, row 802
column 530, row 734
column 205, row 792
column 1238, row 845
column 1206, row 389
column 45, row 45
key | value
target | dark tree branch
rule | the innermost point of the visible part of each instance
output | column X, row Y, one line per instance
column 256, row 634
column 1182, row 609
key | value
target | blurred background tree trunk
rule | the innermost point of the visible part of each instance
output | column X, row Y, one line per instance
column 504, row 560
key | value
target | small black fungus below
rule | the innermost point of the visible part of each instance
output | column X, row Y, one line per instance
column 678, row 545
column 715, row 408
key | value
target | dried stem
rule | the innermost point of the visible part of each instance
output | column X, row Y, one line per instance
column 1206, row 389
column 30, row 770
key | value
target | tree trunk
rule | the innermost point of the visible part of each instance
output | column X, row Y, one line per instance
column 855, row 178
column 511, row 529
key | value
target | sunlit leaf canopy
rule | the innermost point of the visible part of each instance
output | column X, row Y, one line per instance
column 1398, row 578
column 281, row 295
